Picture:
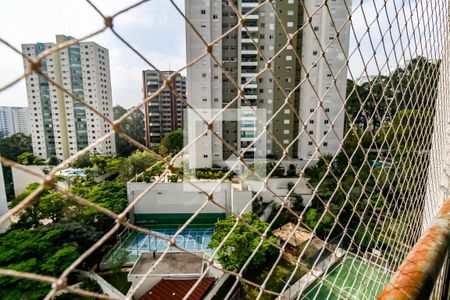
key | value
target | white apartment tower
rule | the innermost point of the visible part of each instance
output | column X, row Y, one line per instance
column 14, row 120
column 317, row 117
column 61, row 126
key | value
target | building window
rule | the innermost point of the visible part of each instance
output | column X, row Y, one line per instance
column 215, row 17
column 310, row 143
column 327, row 110
column 316, row 28
column 325, row 122
column 203, row 11
column 325, row 144
column 205, row 155
column 288, row 57
column 310, row 132
column 290, row 24
column 311, row 121
column 314, row 52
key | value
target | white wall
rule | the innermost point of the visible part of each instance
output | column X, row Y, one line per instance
column 148, row 283
column 3, row 201
column 22, row 179
column 184, row 198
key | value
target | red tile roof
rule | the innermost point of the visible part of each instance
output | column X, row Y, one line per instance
column 168, row 289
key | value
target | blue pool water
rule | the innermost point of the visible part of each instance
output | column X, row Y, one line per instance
column 69, row 172
column 195, row 240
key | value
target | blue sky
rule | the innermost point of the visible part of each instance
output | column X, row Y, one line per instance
column 157, row 30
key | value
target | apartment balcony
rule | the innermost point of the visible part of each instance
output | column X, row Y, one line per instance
column 249, row 63
column 249, row 51
column 252, row 149
column 249, row 41
column 251, row 86
column 250, row 4
column 252, row 28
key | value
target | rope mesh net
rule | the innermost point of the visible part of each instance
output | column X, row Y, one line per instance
column 370, row 199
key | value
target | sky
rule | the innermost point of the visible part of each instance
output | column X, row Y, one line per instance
column 157, row 30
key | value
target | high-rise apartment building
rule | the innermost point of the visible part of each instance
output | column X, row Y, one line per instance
column 313, row 58
column 61, row 126
column 21, row 120
column 165, row 111
column 14, row 120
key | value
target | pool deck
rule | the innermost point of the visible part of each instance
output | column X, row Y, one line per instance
column 171, row 263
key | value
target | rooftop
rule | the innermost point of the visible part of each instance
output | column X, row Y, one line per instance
column 176, row 289
column 300, row 235
column 172, row 263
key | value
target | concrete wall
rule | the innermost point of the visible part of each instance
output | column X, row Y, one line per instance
column 148, row 283
column 182, row 198
column 22, row 179
column 106, row 286
column 3, row 201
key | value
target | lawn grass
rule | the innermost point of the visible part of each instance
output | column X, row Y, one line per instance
column 118, row 280
column 276, row 282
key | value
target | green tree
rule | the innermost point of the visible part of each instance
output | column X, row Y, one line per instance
column 13, row 146
column 242, row 242
column 297, row 202
column 172, row 143
column 109, row 194
column 10, row 148
column 82, row 161
column 28, row 158
column 135, row 164
column 43, row 250
column 133, row 127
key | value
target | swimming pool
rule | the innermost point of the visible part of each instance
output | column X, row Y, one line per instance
column 194, row 240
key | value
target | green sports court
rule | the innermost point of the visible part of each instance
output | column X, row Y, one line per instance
column 350, row 278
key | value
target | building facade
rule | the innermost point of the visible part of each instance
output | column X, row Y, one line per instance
column 14, row 120
column 165, row 111
column 61, row 125
column 314, row 83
